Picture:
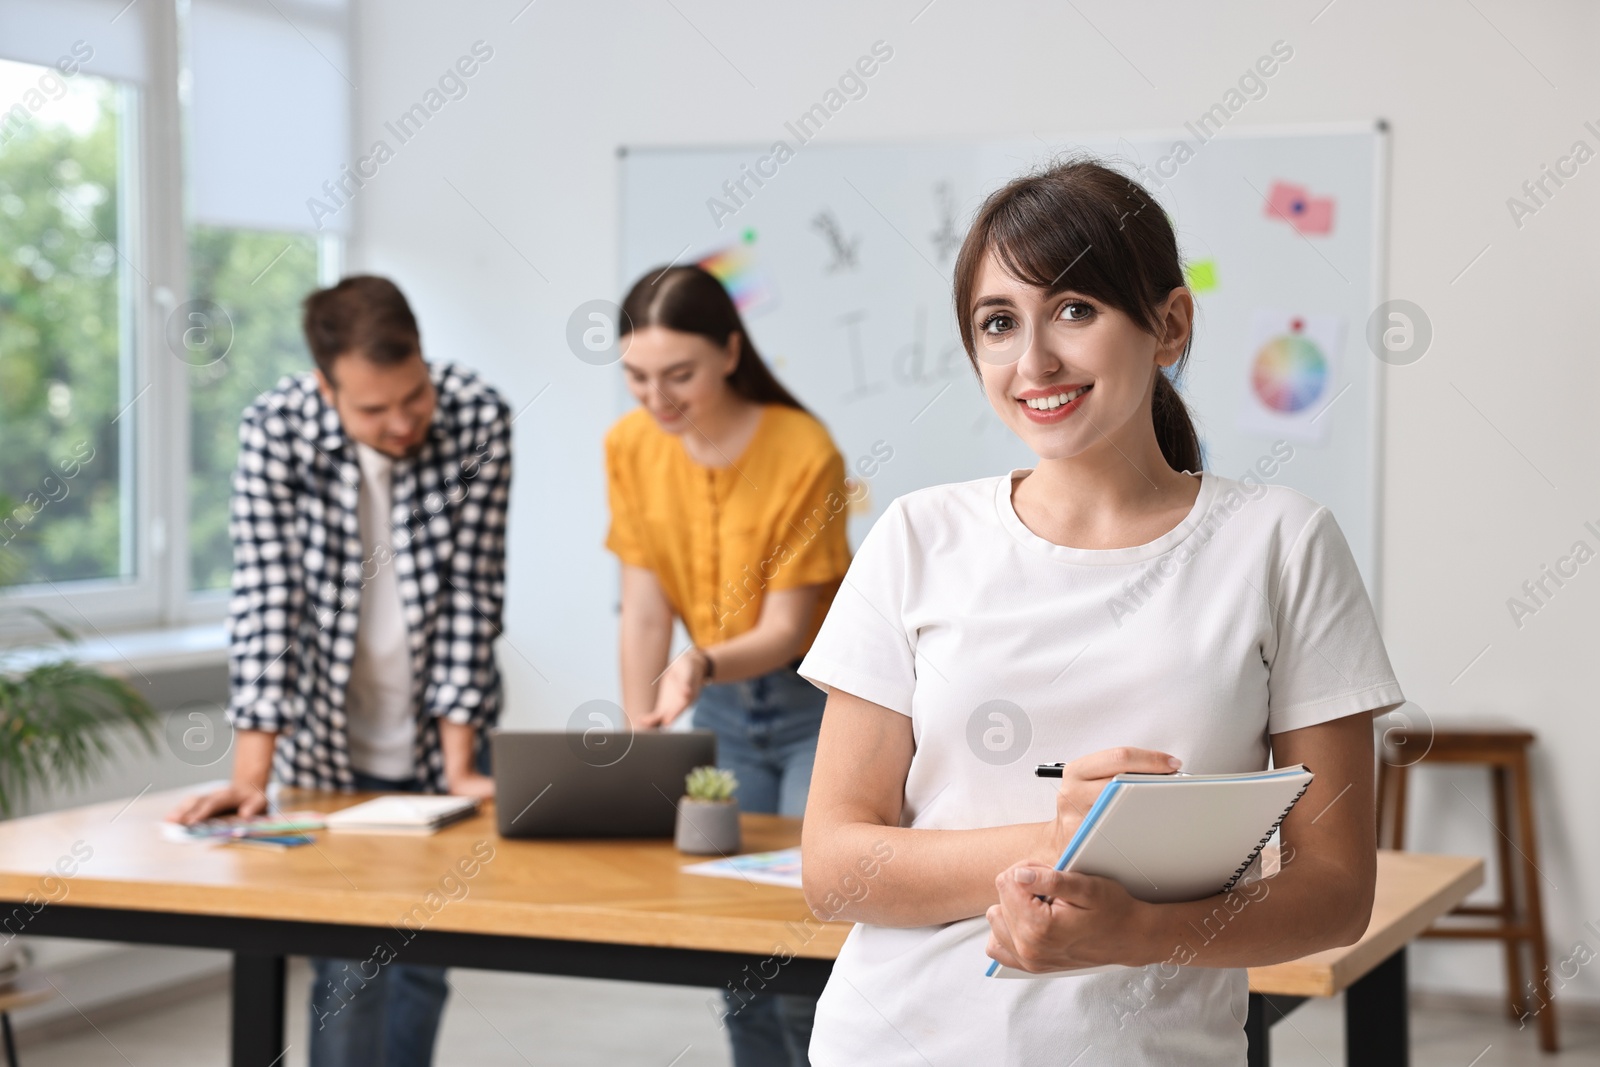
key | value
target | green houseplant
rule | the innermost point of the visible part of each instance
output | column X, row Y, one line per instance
column 57, row 716
column 711, row 784
column 708, row 816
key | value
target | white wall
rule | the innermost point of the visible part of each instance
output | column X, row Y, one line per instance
column 1490, row 440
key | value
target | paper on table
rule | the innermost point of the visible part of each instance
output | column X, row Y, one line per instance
column 768, row 868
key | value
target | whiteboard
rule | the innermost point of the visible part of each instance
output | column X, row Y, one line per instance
column 841, row 256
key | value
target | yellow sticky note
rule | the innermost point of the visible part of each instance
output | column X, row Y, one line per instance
column 1201, row 275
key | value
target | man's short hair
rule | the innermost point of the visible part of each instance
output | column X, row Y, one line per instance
column 363, row 314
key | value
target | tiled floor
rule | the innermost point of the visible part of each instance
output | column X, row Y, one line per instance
column 1313, row 1036
column 491, row 1019
column 520, row 1020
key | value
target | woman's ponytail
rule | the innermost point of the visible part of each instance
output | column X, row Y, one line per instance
column 1175, row 432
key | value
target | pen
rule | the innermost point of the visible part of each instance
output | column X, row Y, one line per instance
column 1053, row 770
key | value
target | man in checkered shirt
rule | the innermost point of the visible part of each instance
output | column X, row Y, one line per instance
column 368, row 525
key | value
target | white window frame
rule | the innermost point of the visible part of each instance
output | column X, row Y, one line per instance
column 154, row 451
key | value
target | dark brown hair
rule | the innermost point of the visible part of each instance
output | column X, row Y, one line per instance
column 690, row 299
column 1082, row 226
column 364, row 314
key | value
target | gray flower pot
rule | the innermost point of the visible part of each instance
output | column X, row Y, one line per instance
column 708, row 827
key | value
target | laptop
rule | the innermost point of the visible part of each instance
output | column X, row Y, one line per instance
column 594, row 783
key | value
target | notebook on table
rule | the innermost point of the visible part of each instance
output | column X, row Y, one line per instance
column 402, row 813
column 1168, row 838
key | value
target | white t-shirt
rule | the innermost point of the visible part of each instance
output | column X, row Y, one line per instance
column 382, row 720
column 1006, row 650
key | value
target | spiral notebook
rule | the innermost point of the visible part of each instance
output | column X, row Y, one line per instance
column 1170, row 837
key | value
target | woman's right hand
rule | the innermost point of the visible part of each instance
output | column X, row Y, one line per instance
column 248, row 800
column 680, row 686
column 1082, row 781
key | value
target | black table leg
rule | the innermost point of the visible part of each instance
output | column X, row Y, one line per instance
column 1377, row 1024
column 1265, row 1009
column 1258, row 1032
column 10, row 1042
column 258, row 997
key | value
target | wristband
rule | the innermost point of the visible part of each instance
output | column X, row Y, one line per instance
column 711, row 667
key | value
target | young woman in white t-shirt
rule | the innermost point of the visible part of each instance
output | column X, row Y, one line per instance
column 1115, row 609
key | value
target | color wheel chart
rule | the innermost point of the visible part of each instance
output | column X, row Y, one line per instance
column 1291, row 375
column 1290, row 372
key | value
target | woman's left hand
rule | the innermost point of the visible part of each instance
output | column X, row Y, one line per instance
column 679, row 687
column 1086, row 921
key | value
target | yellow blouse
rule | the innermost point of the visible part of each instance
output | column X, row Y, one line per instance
column 718, row 538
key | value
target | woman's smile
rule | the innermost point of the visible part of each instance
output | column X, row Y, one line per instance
column 1053, row 404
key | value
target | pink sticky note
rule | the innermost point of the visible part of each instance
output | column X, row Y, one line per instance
column 1317, row 216
column 1295, row 205
column 1285, row 201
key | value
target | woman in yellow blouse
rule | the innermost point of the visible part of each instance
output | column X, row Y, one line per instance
column 728, row 505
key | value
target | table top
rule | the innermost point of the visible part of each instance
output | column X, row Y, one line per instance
column 1413, row 890
column 619, row 891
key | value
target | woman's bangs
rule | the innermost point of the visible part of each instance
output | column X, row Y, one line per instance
column 1042, row 245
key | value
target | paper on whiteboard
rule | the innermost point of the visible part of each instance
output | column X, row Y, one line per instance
column 1292, row 375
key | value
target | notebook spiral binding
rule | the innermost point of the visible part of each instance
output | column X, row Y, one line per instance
column 1245, row 866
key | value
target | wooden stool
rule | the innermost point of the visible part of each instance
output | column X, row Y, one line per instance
column 27, row 990
column 1505, row 752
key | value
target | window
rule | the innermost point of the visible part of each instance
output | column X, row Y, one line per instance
column 155, row 246
column 249, row 285
column 65, row 326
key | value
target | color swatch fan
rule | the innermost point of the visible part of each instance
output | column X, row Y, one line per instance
column 736, row 268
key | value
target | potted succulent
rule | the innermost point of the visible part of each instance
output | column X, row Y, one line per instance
column 708, row 816
column 57, row 718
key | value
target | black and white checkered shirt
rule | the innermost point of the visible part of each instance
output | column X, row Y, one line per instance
column 298, row 572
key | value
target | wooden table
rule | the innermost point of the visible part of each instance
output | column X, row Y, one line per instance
column 594, row 909
column 1413, row 890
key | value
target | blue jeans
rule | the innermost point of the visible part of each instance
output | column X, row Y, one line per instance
column 387, row 1019
column 766, row 731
